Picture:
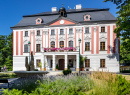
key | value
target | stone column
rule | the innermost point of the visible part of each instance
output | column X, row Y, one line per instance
column 65, row 62
column 42, row 61
column 54, row 66
column 77, row 62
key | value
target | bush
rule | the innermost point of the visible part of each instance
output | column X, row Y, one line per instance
column 35, row 69
column 125, row 71
column 123, row 86
column 57, row 66
column 66, row 72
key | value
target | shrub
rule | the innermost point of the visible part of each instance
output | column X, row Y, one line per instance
column 35, row 69
column 66, row 72
column 125, row 71
column 57, row 66
column 123, row 86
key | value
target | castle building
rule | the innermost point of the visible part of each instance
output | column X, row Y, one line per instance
column 54, row 38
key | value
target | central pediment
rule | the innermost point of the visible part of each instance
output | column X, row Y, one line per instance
column 62, row 21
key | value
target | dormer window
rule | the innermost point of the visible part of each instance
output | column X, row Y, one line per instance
column 39, row 21
column 87, row 18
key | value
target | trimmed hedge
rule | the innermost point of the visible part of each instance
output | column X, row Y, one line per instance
column 66, row 72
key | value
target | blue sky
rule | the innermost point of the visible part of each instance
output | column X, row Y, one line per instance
column 11, row 11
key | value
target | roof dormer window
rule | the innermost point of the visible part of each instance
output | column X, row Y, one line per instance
column 39, row 21
column 87, row 18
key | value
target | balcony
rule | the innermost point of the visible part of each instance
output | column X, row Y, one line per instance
column 65, row 49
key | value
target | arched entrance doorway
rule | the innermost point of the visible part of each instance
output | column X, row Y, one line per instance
column 61, row 64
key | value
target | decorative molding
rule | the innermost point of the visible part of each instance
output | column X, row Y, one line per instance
column 45, row 32
column 32, row 32
column 103, row 39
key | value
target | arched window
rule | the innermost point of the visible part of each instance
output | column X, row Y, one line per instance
column 52, row 44
column 61, row 44
column 70, row 43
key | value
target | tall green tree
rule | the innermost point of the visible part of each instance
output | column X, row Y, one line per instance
column 6, row 51
column 123, row 25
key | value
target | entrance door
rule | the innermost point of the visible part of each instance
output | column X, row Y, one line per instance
column 61, row 64
column 51, row 64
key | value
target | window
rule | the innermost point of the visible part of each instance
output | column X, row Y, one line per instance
column 87, row 30
column 70, row 43
column 52, row 32
column 38, row 32
column 102, row 46
column 37, row 47
column 71, row 63
column 87, row 62
column 52, row 44
column 26, row 33
column 102, row 29
column 87, row 46
column 71, row 31
column 26, row 48
column 37, row 62
column 61, row 31
column 61, row 44
column 102, row 63
column 87, row 17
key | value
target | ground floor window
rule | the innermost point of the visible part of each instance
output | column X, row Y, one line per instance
column 87, row 63
column 26, row 48
column 37, row 62
column 102, row 63
column 71, row 63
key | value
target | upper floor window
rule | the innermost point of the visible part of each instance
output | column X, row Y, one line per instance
column 52, row 44
column 87, row 46
column 102, row 63
column 26, row 33
column 26, row 48
column 37, row 47
column 87, row 30
column 37, row 62
column 61, row 31
column 61, row 44
column 38, row 32
column 52, row 32
column 70, row 43
column 102, row 29
column 87, row 62
column 102, row 46
column 71, row 31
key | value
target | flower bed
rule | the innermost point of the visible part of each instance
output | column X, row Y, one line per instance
column 60, row 49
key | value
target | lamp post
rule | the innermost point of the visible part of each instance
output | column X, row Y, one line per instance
column 79, row 54
column 29, row 51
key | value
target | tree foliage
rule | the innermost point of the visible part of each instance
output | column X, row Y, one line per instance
column 123, row 26
column 6, row 51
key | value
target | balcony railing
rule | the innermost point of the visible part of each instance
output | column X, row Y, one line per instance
column 65, row 49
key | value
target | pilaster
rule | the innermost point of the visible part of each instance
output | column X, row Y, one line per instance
column 54, row 67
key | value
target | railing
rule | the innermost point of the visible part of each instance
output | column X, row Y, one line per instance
column 65, row 49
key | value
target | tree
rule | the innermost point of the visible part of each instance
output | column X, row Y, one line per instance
column 123, row 24
column 6, row 51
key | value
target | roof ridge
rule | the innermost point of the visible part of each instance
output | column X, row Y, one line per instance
column 67, row 11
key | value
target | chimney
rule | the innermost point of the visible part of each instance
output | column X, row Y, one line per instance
column 54, row 9
column 78, row 6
